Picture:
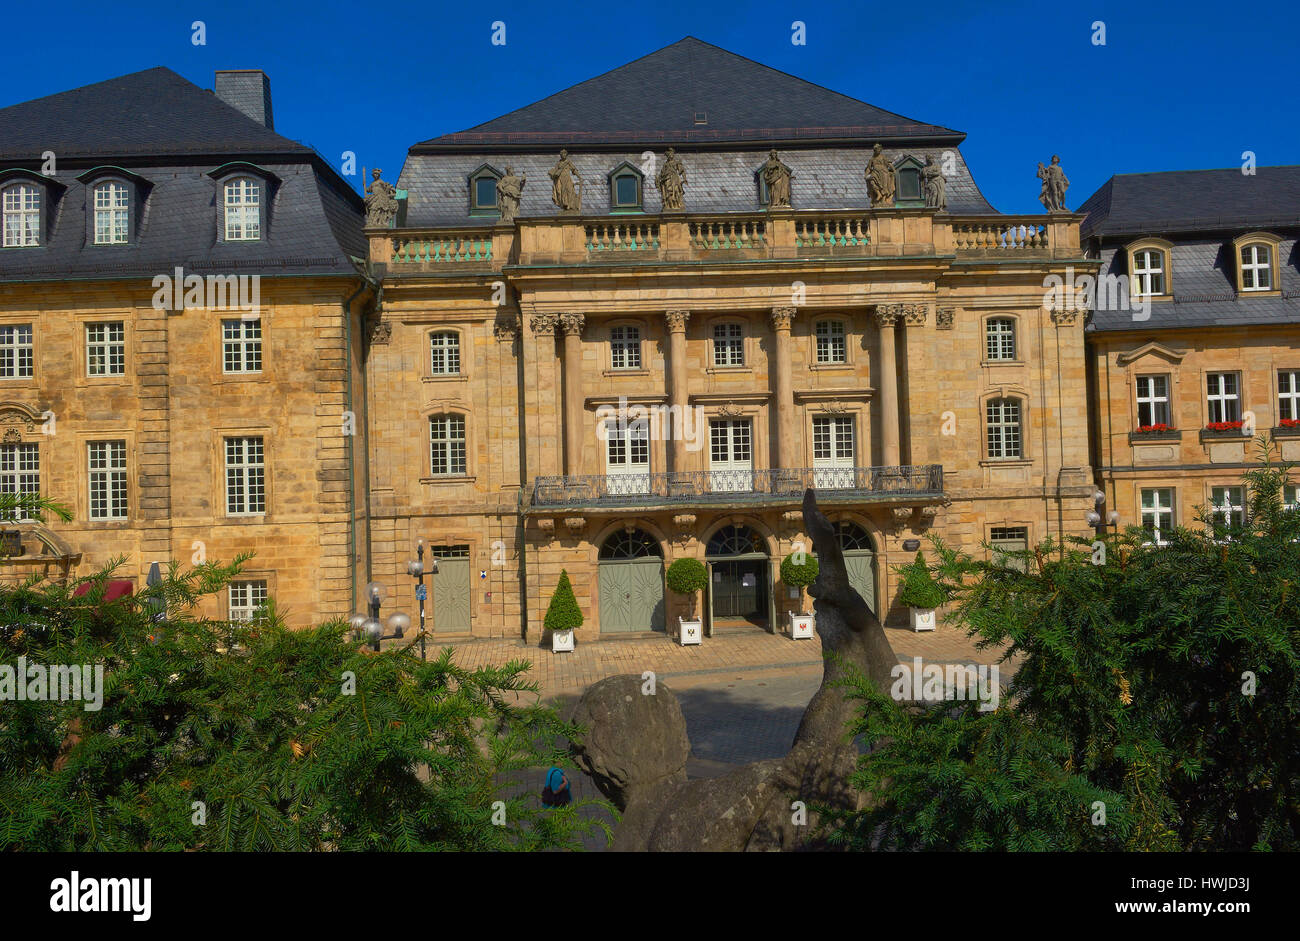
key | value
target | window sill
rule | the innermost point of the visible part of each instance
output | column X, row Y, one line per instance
column 1137, row 437
column 1291, row 432
column 1005, row 462
column 832, row 367
column 449, row 479
column 628, row 373
column 1269, row 293
column 728, row 369
column 456, row 377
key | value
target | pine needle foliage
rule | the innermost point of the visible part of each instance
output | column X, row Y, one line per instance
column 1163, row 683
column 255, row 722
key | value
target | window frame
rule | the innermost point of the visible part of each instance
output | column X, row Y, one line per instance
column 41, row 194
column 448, row 442
column 262, row 191
column 1234, row 510
column 14, row 351
column 106, row 346
column 1003, row 400
column 830, row 323
column 450, row 348
column 1222, row 397
column 19, row 479
column 251, row 585
column 1152, row 400
column 1154, row 246
column 1289, row 396
column 1256, row 240
column 629, row 346
column 1014, row 332
column 249, row 472
column 623, row 171
column 734, row 340
column 126, row 210
column 480, row 172
column 243, row 345
column 1158, row 510
column 115, row 481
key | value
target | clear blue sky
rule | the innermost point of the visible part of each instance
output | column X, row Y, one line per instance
column 1177, row 86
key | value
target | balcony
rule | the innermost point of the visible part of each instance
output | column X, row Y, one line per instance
column 802, row 234
column 738, row 487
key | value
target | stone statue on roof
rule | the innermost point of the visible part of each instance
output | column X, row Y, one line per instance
column 880, row 179
column 1052, row 195
column 564, row 193
column 381, row 202
column 777, row 176
column 510, row 190
column 671, row 180
column 936, row 187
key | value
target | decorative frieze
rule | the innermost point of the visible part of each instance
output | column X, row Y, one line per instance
column 945, row 317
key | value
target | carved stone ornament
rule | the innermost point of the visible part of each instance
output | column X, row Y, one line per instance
column 12, row 435
column 572, row 324
column 677, row 320
column 1066, row 316
column 546, row 524
column 507, row 328
column 793, row 520
column 888, row 314
column 381, row 202
column 902, row 516
column 575, row 524
column 381, row 332
column 782, row 317
column 731, row 410
column 945, row 317
column 914, row 314
column 544, row 324
column 685, row 523
column 835, row 407
column 931, row 511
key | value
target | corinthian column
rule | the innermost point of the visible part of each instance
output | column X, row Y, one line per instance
column 678, row 398
column 572, row 325
column 887, row 316
column 781, row 318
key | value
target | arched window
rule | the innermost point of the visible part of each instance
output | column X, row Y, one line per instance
column 243, row 206
column 1148, row 272
column 735, row 540
column 1000, row 338
column 1256, row 267
column 444, row 353
column 112, row 213
column 630, row 544
column 852, row 536
column 22, row 215
column 447, row 445
column 1003, row 428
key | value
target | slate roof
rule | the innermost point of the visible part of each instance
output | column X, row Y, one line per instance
column 716, row 181
column 655, row 99
column 1200, row 212
column 1193, row 201
column 172, row 134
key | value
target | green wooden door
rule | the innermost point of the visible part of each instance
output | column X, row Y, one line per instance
column 861, row 566
column 451, row 588
column 631, row 595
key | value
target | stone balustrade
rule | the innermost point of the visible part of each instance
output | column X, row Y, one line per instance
column 722, row 237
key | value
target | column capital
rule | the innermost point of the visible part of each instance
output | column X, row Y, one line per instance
column 782, row 317
column 544, row 324
column 914, row 315
column 572, row 324
column 888, row 314
column 506, row 328
column 677, row 320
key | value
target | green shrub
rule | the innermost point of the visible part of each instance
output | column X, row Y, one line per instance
column 919, row 589
column 798, row 574
column 686, row 576
column 563, row 613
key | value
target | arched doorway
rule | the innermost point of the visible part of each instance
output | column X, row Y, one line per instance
column 630, row 582
column 859, row 559
column 739, row 580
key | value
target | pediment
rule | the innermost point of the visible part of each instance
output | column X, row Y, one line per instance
column 1151, row 349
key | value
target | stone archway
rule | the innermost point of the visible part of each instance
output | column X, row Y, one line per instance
column 740, row 590
column 630, row 582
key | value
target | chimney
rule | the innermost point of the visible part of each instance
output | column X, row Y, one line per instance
column 249, row 90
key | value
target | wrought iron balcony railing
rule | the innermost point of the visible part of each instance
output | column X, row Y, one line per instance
column 738, row 486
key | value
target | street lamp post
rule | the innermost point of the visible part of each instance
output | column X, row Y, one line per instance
column 415, row 568
column 370, row 624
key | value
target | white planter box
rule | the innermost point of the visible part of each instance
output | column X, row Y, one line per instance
column 801, row 626
column 690, row 632
column 922, row 619
column 561, row 641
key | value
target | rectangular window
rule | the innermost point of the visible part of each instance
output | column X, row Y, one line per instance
column 105, row 349
column 833, row 453
column 20, row 471
column 111, row 210
column 22, row 216
column 245, row 477
column 1008, row 539
column 1256, row 268
column 447, row 445
column 728, row 344
column 1228, row 506
column 831, row 344
column 243, row 211
column 1288, row 395
column 1222, row 399
column 245, row 599
column 241, row 345
column 627, row 457
column 1003, row 420
column 1000, row 339
column 624, row 348
column 731, row 455
column 1158, row 514
column 444, row 354
column 107, row 461
column 16, row 351
column 1152, row 400
column 1290, row 501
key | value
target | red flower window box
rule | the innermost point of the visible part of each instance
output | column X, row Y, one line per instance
column 1224, row 426
column 1154, row 429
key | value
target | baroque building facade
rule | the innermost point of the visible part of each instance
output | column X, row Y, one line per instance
column 634, row 321
column 1185, row 381
column 180, row 342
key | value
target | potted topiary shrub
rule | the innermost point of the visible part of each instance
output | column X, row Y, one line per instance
column 562, row 615
column 685, row 577
column 920, row 592
column 798, row 571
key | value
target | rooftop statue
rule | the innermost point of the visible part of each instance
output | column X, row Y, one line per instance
column 563, row 191
column 936, row 187
column 880, row 179
column 381, row 202
column 671, row 180
column 1052, row 195
column 777, row 176
column 510, row 190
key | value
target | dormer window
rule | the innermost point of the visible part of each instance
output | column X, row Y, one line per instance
column 22, row 215
column 1148, row 267
column 907, row 178
column 243, row 205
column 483, row 190
column 112, row 203
column 1257, row 256
column 625, row 189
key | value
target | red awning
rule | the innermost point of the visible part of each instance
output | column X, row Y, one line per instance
column 117, row 588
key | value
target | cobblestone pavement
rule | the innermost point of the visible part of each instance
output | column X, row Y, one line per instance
column 738, row 652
